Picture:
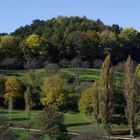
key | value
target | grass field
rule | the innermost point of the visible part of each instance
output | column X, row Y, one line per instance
column 81, row 74
column 74, row 122
column 71, row 120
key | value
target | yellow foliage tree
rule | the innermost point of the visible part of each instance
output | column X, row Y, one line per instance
column 33, row 41
column 85, row 102
column 54, row 92
column 89, row 101
column 7, row 41
column 12, row 88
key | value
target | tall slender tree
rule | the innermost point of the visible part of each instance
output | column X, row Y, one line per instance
column 28, row 101
column 106, row 93
column 32, row 85
column 130, row 94
column 96, row 101
column 30, row 95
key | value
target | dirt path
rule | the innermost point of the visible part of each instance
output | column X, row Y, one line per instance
column 70, row 133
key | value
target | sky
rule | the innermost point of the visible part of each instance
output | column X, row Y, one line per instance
column 16, row 13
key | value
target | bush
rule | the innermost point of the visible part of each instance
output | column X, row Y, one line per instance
column 64, row 63
column 52, row 123
column 32, row 63
column 51, row 68
column 10, row 63
column 76, row 62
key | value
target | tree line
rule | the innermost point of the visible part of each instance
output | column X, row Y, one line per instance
column 99, row 98
column 62, row 39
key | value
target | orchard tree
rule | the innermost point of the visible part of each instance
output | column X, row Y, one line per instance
column 53, row 89
column 12, row 88
column 130, row 94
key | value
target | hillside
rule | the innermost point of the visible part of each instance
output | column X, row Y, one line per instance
column 64, row 40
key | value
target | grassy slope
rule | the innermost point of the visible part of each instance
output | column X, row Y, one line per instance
column 74, row 122
column 82, row 74
column 71, row 120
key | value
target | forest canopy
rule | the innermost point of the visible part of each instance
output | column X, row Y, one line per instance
column 64, row 39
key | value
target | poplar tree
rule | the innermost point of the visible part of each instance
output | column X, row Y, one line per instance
column 106, row 93
column 28, row 101
column 130, row 94
column 96, row 101
column 32, row 87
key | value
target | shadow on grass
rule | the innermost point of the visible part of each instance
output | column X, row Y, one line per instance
column 126, row 132
column 77, row 124
column 119, row 120
column 6, row 112
column 15, row 74
column 18, row 119
column 3, row 112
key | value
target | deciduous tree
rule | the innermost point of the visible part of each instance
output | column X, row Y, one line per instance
column 54, row 92
column 12, row 88
column 130, row 94
column 85, row 103
column 106, row 93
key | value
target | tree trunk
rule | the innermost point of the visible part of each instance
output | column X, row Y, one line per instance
column 10, row 106
column 27, row 108
column 131, row 132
